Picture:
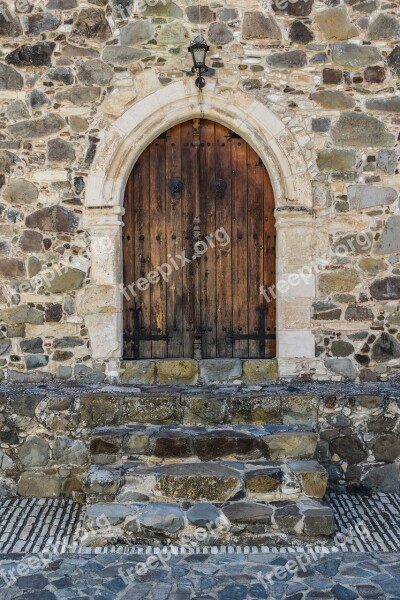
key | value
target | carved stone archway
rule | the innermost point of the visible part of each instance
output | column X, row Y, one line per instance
column 122, row 144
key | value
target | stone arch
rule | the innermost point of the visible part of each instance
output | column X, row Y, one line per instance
column 122, row 144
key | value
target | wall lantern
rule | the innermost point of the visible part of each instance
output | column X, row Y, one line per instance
column 198, row 49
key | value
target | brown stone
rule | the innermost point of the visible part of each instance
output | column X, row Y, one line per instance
column 263, row 481
column 170, row 444
column 53, row 218
column 216, row 444
column 331, row 76
column 375, row 74
column 177, row 372
column 31, row 241
column 338, row 280
column 91, row 23
column 11, row 267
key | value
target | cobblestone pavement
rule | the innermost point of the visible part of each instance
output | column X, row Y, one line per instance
column 218, row 576
column 30, row 525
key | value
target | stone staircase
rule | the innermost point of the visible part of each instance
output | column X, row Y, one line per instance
column 239, row 482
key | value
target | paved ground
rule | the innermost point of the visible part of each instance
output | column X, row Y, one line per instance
column 219, row 576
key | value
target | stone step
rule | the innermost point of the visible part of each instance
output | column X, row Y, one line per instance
column 118, row 444
column 204, row 524
column 222, row 481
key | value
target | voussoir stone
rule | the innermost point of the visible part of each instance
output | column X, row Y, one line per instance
column 10, row 79
column 37, row 128
column 34, row 55
column 53, row 218
column 256, row 25
column 357, row 130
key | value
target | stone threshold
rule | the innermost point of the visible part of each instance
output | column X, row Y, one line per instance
column 213, row 371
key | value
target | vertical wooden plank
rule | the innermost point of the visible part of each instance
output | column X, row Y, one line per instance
column 189, row 176
column 255, row 216
column 269, row 261
column 158, row 293
column 223, row 253
column 141, row 229
column 174, row 243
column 128, row 267
column 239, row 245
column 208, row 298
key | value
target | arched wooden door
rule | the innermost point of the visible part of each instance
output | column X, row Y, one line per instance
column 198, row 242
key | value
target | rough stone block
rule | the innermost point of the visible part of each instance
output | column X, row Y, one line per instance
column 177, row 372
column 152, row 409
column 205, row 410
column 300, row 410
column 260, row 372
column 264, row 410
column 220, row 370
column 138, row 372
column 312, row 476
column 290, row 445
column 101, row 409
column 38, row 484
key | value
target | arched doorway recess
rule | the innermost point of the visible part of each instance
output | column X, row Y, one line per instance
column 198, row 245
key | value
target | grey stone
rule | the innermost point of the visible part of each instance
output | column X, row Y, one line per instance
column 385, row 348
column 61, row 74
column 334, row 99
column 205, row 410
column 335, row 24
column 67, row 451
column 258, row 26
column 389, row 241
column 387, row 447
column 38, row 22
column 349, row 448
column 333, row 159
column 84, row 374
column 299, row 33
column 34, row 452
column 36, row 98
column 10, row 79
column 360, row 243
column 123, row 55
column 203, row 515
column 11, row 267
column 354, row 55
column 102, row 481
column 35, row 55
column 8, row 487
column 387, row 288
column 342, row 348
column 22, row 314
column 319, row 521
column 17, row 110
column 384, row 27
column 79, row 95
column 199, row 14
column 172, row 34
column 7, row 160
column 227, row 14
column 291, row 59
column 341, row 366
column 393, row 60
column 165, row 517
column 53, row 218
column 384, row 479
column 62, row 4
column 214, row 371
column 391, row 104
column 248, row 512
column 219, row 33
column 35, row 361
column 37, row 128
column 5, row 346
column 39, row 485
column 90, row 23
column 295, row 9
column 366, row 196
column 60, row 150
column 386, row 160
column 33, row 346
column 136, row 33
column 287, row 517
column 95, row 72
column 9, row 21
column 321, row 124
column 357, row 130
column 68, row 280
column 20, row 191
column 357, row 312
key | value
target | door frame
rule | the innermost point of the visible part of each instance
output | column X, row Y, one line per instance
column 122, row 144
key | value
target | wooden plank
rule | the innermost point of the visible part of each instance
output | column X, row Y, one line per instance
column 207, row 261
column 158, row 293
column 128, row 266
column 189, row 176
column 223, row 253
column 239, row 245
column 255, row 215
column 141, row 228
column 269, row 261
column 174, row 243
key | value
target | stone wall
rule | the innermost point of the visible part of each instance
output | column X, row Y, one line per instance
column 327, row 70
column 47, row 442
